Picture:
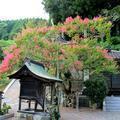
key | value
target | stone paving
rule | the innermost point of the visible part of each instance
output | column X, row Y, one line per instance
column 87, row 114
column 11, row 97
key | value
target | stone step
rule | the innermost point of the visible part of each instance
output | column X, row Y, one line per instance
column 112, row 98
column 115, row 106
column 111, row 103
column 112, row 106
column 112, row 110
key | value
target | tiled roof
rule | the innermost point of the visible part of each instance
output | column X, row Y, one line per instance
column 114, row 54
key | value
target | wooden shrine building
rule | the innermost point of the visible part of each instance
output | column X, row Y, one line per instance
column 33, row 80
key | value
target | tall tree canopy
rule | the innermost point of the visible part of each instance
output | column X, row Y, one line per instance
column 61, row 9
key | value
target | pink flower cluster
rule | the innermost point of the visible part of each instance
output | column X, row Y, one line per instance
column 86, row 21
column 62, row 51
column 63, row 29
column 96, row 18
column 61, row 57
column 5, row 65
column 105, row 53
column 83, row 21
column 43, row 30
column 78, row 65
column 68, row 20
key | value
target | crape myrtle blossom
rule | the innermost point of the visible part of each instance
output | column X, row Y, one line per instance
column 42, row 45
column 12, row 54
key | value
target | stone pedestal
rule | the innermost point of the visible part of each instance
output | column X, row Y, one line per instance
column 39, row 117
column 36, row 116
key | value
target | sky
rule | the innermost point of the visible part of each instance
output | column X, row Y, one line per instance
column 19, row 9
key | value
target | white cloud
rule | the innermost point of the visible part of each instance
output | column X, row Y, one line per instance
column 16, row 9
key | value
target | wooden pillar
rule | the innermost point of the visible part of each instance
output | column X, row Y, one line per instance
column 19, row 104
column 1, row 99
column 0, row 103
column 35, row 105
column 20, row 97
column 52, row 92
column 29, row 104
column 44, row 98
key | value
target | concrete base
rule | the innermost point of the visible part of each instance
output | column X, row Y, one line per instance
column 4, row 117
column 37, row 116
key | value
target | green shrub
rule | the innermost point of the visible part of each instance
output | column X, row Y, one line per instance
column 96, row 89
column 5, row 109
column 115, row 43
column 115, row 40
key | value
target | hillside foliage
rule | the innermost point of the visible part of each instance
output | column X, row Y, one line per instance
column 10, row 28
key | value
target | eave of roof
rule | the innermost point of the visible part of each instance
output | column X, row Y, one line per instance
column 40, row 72
column 37, row 69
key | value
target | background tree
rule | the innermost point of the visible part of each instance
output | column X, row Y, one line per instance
column 3, row 30
column 59, row 10
column 114, row 16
